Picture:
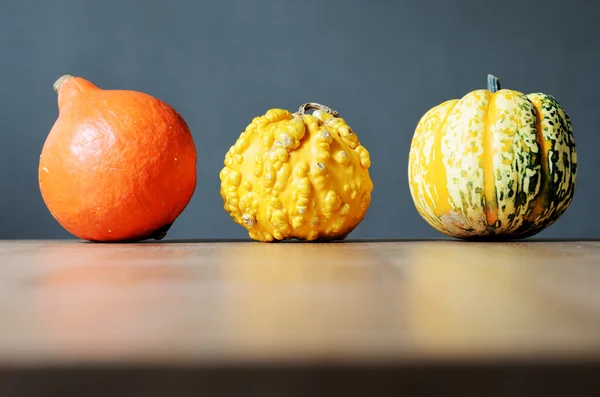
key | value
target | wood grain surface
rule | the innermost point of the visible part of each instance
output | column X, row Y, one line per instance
column 217, row 306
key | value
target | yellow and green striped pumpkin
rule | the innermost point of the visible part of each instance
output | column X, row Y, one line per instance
column 496, row 164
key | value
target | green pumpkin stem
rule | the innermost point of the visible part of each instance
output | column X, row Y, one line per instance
column 61, row 80
column 493, row 83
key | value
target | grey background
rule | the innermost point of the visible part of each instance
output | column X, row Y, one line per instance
column 381, row 64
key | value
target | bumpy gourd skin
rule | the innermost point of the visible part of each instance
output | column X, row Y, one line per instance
column 493, row 165
column 297, row 176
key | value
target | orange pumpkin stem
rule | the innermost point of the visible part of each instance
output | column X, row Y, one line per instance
column 317, row 106
column 493, row 83
column 61, row 80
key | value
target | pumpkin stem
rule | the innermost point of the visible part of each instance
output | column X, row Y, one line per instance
column 61, row 80
column 317, row 106
column 493, row 83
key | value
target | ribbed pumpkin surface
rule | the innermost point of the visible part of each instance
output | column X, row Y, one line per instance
column 493, row 164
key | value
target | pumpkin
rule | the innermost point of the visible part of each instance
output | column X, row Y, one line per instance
column 496, row 164
column 117, row 165
column 297, row 176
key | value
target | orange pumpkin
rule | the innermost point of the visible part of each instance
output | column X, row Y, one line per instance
column 117, row 165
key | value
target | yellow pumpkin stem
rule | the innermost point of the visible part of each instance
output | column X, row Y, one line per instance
column 317, row 106
column 493, row 83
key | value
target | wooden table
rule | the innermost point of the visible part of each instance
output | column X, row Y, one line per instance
column 288, row 319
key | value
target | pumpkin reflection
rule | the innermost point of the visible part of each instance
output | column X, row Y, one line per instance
column 303, row 298
column 486, row 297
column 121, row 266
column 297, row 263
column 102, row 301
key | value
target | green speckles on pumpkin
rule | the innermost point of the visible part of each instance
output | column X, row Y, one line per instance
column 521, row 198
column 559, row 165
column 525, row 141
column 511, row 192
column 515, row 187
column 534, row 180
column 462, row 154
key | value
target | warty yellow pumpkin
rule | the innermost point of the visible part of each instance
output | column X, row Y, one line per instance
column 297, row 176
column 496, row 164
